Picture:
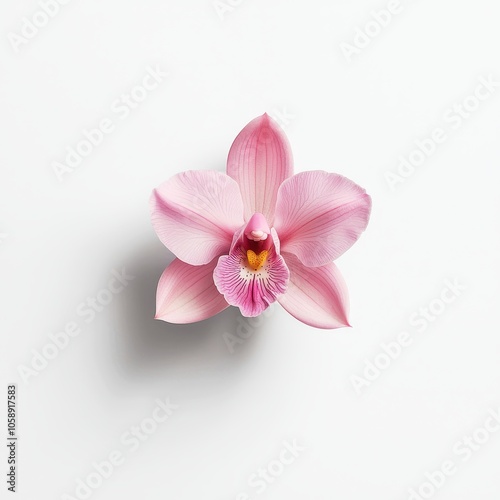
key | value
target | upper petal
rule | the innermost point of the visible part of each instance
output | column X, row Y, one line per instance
column 196, row 213
column 260, row 159
column 187, row 293
column 320, row 215
column 316, row 296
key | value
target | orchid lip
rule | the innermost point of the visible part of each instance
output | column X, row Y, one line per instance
column 254, row 274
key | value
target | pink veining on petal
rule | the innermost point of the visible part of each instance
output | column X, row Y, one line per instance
column 260, row 159
column 187, row 293
column 320, row 215
column 196, row 213
column 317, row 296
column 250, row 290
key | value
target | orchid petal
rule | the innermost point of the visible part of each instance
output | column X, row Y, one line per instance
column 317, row 296
column 250, row 290
column 260, row 159
column 187, row 293
column 320, row 215
column 196, row 213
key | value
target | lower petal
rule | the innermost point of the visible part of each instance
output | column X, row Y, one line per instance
column 251, row 290
column 317, row 296
column 187, row 294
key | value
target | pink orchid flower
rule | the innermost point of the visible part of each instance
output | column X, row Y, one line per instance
column 257, row 235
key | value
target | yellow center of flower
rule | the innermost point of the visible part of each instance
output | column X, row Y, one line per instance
column 256, row 261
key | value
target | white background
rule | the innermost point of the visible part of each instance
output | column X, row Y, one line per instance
column 61, row 240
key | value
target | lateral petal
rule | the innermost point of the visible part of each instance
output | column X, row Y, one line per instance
column 196, row 213
column 320, row 215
